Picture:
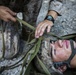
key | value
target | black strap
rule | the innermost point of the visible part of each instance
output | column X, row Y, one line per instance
column 72, row 54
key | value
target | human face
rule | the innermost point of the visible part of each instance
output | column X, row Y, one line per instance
column 60, row 50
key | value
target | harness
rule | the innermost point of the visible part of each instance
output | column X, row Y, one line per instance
column 67, row 62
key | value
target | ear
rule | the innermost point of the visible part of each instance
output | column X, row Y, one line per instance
column 62, row 68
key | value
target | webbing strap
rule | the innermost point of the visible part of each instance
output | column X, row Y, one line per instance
column 73, row 51
column 72, row 54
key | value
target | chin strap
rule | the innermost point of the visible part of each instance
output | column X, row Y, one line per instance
column 67, row 62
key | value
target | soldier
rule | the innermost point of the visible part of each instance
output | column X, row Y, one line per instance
column 45, row 21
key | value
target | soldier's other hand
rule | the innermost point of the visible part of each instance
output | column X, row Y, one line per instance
column 6, row 14
column 42, row 26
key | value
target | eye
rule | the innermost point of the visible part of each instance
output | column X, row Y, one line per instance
column 52, row 41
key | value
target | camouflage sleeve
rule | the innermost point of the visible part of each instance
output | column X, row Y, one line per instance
column 57, row 6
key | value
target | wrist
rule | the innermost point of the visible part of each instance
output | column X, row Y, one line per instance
column 50, row 18
column 53, row 14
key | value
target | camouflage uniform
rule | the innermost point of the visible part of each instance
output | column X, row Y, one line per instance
column 47, row 5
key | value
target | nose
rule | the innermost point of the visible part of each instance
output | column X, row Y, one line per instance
column 60, row 43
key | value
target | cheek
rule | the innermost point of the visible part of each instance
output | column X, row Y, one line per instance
column 61, row 53
column 60, row 56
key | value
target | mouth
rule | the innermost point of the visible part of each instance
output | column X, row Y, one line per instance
column 66, row 42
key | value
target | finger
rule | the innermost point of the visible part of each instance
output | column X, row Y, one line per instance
column 49, row 26
column 11, row 12
column 44, row 23
column 48, row 29
column 42, row 30
column 36, row 32
column 6, row 20
column 41, row 27
column 9, row 17
column 12, row 18
column 36, row 35
column 37, row 29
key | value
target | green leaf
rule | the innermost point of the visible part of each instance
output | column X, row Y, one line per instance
column 22, row 70
column 26, row 24
column 27, row 71
column 31, row 54
column 32, row 41
column 43, row 66
column 69, row 36
column 36, row 49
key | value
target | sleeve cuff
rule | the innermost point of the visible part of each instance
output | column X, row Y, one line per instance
column 56, row 6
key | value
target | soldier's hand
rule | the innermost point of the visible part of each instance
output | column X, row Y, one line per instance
column 42, row 26
column 6, row 14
